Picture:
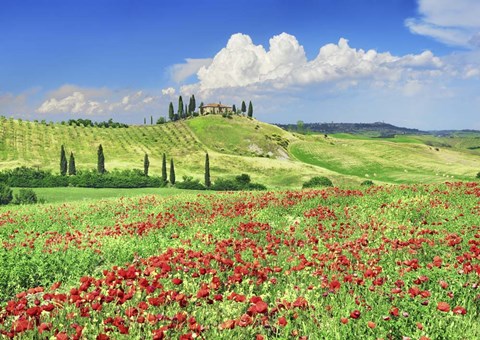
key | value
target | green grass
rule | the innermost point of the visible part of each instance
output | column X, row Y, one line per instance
column 69, row 194
column 387, row 161
column 270, row 155
column 313, row 257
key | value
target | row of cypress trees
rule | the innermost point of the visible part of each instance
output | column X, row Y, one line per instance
column 67, row 167
column 70, row 167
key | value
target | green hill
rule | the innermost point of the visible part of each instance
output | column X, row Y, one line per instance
column 237, row 145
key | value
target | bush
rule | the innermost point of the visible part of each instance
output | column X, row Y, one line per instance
column 367, row 183
column 190, row 184
column 478, row 175
column 241, row 182
column 6, row 194
column 25, row 196
column 318, row 182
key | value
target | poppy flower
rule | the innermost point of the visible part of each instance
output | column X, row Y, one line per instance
column 443, row 307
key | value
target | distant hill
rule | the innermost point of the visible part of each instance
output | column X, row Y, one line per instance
column 379, row 128
column 271, row 155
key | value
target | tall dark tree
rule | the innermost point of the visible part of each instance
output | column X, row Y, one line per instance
column 193, row 106
column 172, row 172
column 201, row 108
column 180, row 107
column 151, row 120
column 164, row 168
column 100, row 160
column 186, row 113
column 63, row 162
column 146, row 165
column 244, row 107
column 234, row 108
column 171, row 112
column 250, row 109
column 144, row 121
column 72, row 170
column 208, row 183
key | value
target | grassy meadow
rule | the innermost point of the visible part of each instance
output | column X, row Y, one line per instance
column 272, row 156
column 383, row 262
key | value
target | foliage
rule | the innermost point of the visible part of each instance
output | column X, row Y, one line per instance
column 318, row 182
column 478, row 175
column 6, row 195
column 250, row 110
column 171, row 112
column 63, row 162
column 172, row 172
column 244, row 107
column 89, row 123
column 164, row 168
column 190, row 184
column 208, row 182
column 367, row 182
column 34, row 178
column 100, row 160
column 72, row 169
column 180, row 107
column 146, row 165
column 25, row 196
column 115, row 179
column 161, row 120
column 241, row 182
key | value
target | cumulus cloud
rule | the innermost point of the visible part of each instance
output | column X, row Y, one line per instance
column 243, row 64
column 72, row 99
column 453, row 23
column 169, row 91
column 180, row 72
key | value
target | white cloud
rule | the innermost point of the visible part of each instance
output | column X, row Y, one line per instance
column 454, row 23
column 180, row 72
column 74, row 103
column 243, row 64
column 169, row 91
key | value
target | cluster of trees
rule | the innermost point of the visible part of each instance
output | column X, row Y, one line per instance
column 183, row 111
column 87, row 122
column 24, row 196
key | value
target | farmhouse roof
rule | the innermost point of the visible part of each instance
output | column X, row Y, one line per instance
column 216, row 105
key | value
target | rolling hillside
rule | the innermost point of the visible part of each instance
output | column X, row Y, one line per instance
column 269, row 154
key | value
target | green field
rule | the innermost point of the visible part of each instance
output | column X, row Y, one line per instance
column 272, row 156
column 383, row 262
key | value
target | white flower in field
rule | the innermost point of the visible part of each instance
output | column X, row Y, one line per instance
column 366, row 175
column 405, row 170
column 374, row 175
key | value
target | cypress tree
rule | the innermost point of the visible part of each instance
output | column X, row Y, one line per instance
column 72, row 170
column 151, row 120
column 244, row 107
column 146, row 164
column 180, row 107
column 164, row 169
column 234, row 109
column 144, row 121
column 171, row 113
column 172, row 172
column 250, row 109
column 201, row 108
column 207, row 171
column 63, row 162
column 100, row 160
column 185, row 113
column 194, row 104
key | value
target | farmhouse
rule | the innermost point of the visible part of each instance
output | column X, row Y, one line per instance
column 215, row 108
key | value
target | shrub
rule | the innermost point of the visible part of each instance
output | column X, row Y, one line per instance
column 367, row 183
column 241, row 182
column 318, row 182
column 190, row 184
column 478, row 175
column 25, row 196
column 6, row 195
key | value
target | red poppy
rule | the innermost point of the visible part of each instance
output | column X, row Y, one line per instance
column 443, row 307
column 459, row 310
column 355, row 314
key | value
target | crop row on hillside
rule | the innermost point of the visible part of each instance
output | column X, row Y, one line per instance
column 383, row 262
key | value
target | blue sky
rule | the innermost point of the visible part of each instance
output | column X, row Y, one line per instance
column 413, row 63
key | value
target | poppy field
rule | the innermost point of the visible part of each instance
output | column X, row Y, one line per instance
column 391, row 262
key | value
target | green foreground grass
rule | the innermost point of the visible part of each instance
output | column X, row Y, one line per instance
column 70, row 194
column 393, row 261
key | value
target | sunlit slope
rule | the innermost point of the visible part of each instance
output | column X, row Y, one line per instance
column 402, row 161
column 241, row 136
